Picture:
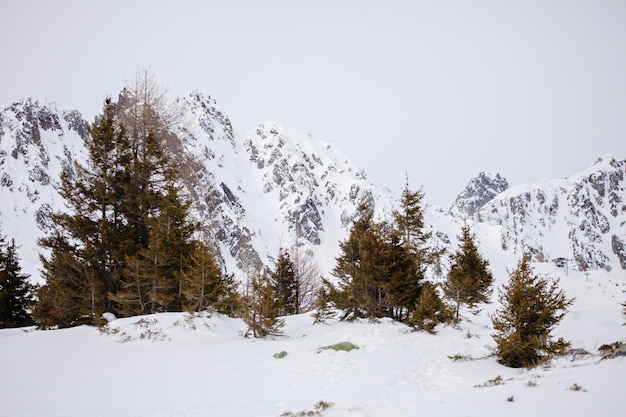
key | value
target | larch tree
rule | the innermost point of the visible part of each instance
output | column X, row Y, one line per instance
column 308, row 278
column 469, row 280
column 203, row 284
column 531, row 307
column 259, row 308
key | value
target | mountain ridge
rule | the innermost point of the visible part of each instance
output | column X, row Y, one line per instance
column 275, row 186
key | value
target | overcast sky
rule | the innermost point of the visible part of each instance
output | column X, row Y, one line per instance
column 439, row 89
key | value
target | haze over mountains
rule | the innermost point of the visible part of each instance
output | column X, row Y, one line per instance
column 275, row 186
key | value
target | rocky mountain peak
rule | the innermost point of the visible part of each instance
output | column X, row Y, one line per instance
column 480, row 190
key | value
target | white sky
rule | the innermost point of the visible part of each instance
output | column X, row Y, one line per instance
column 439, row 89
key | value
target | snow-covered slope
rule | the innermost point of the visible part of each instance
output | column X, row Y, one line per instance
column 582, row 218
column 173, row 364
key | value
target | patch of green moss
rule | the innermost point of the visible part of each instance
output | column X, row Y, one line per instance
column 345, row 346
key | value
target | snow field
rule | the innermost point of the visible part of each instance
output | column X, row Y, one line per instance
column 172, row 364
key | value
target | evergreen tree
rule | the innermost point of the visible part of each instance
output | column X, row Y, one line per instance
column 429, row 310
column 87, row 243
column 469, row 280
column 531, row 307
column 153, row 278
column 410, row 253
column 362, row 270
column 285, row 285
column 259, row 308
column 16, row 293
column 624, row 310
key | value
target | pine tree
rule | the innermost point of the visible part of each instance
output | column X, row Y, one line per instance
column 531, row 308
column 87, row 244
column 362, row 269
column 284, row 284
column 259, row 308
column 410, row 254
column 429, row 310
column 16, row 293
column 469, row 280
column 624, row 310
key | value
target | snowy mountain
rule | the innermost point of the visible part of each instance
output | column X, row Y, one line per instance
column 480, row 190
column 37, row 143
column 275, row 187
column 272, row 187
column 581, row 218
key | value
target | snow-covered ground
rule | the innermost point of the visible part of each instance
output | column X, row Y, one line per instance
column 177, row 365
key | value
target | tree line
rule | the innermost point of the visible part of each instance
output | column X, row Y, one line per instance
column 127, row 244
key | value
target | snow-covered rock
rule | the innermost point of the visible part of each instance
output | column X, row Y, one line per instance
column 581, row 218
column 480, row 190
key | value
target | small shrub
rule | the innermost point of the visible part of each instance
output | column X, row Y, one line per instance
column 318, row 408
column 280, row 354
column 460, row 358
column 613, row 350
column 576, row 387
column 510, row 399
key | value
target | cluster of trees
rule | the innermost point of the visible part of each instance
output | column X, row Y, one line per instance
column 291, row 288
column 126, row 244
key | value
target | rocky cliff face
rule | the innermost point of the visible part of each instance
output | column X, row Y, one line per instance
column 479, row 191
column 37, row 143
column 582, row 218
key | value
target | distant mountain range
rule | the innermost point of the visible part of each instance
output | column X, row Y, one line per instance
column 276, row 187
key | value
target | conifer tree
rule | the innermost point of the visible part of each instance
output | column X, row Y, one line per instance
column 362, row 270
column 409, row 263
column 429, row 310
column 16, row 293
column 531, row 307
column 284, row 284
column 624, row 310
column 87, row 244
column 259, row 308
column 469, row 280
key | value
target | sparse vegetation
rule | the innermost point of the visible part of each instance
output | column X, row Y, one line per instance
column 317, row 411
column 576, row 387
column 492, row 382
column 613, row 350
